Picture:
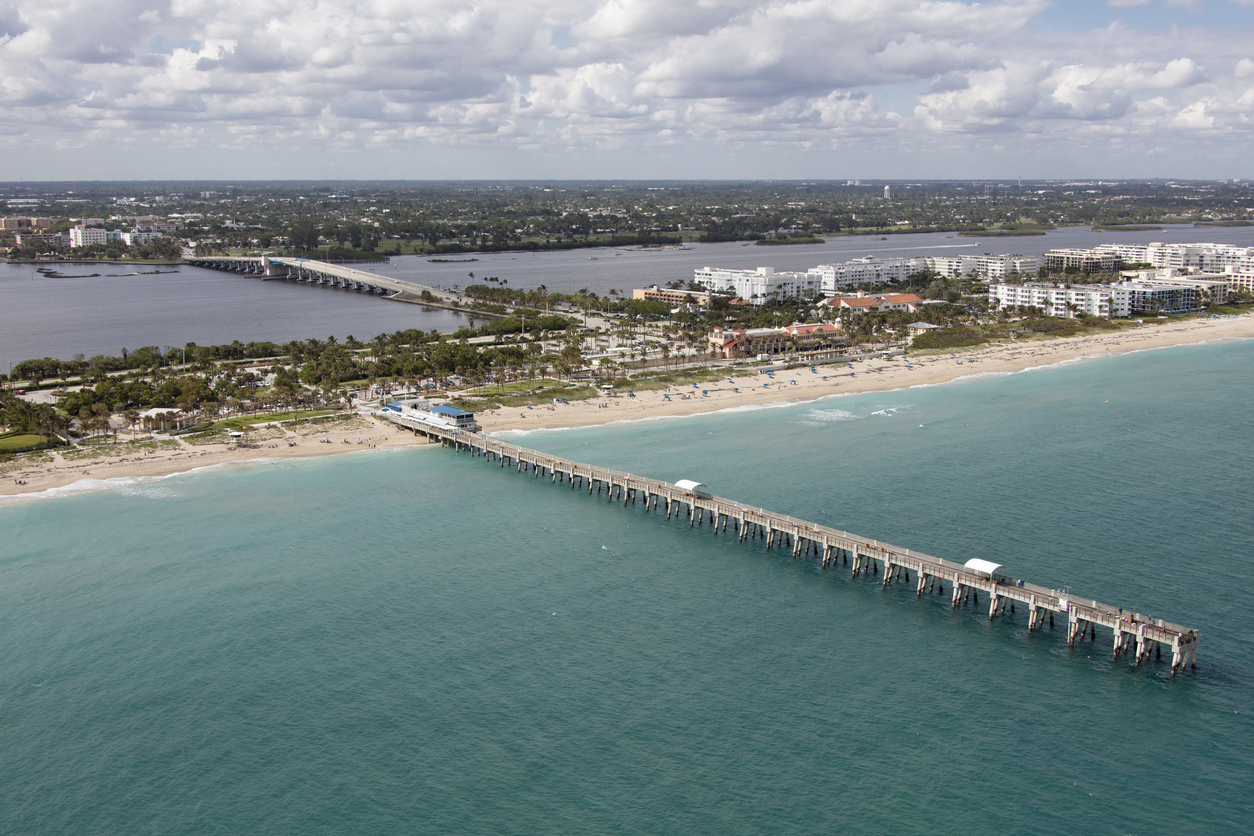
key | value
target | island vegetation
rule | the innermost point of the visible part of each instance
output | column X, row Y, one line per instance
column 361, row 221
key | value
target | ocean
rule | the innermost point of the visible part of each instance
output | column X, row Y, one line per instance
column 415, row 641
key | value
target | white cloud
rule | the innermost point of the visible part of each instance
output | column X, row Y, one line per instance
column 711, row 76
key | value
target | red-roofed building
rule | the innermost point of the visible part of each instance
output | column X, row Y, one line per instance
column 875, row 302
column 753, row 342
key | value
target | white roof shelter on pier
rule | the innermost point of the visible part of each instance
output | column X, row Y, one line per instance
column 984, row 568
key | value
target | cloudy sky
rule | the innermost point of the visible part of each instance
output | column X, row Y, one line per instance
column 277, row 89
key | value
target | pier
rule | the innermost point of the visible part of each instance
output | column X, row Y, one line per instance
column 1134, row 633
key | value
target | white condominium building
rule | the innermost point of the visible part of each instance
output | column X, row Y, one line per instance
column 1209, row 287
column 758, row 286
column 870, row 269
column 134, row 238
column 1087, row 260
column 1209, row 258
column 988, row 265
column 85, row 236
column 1063, row 301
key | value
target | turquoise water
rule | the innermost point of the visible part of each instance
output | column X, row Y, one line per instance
column 420, row 642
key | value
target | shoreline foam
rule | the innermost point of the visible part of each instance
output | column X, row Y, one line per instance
column 935, row 370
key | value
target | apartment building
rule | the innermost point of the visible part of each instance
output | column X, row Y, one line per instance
column 133, row 239
column 758, row 286
column 29, row 224
column 55, row 239
column 1086, row 260
column 1212, row 287
column 85, row 236
column 1064, row 301
column 985, row 265
column 1161, row 298
column 869, row 269
column 1206, row 258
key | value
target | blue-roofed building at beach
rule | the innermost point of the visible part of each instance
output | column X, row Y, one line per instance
column 463, row 419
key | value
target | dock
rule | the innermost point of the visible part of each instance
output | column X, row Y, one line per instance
column 1132, row 632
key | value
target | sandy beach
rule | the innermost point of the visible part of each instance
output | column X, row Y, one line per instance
column 796, row 386
column 349, row 436
column 802, row 385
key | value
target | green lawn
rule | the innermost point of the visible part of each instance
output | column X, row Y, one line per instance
column 248, row 420
column 18, row 442
column 515, row 386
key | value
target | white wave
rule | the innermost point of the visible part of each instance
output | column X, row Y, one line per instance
column 889, row 411
column 830, row 415
column 82, row 486
column 149, row 491
column 520, row 433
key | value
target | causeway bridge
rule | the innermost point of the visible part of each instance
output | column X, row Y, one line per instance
column 324, row 273
column 1133, row 632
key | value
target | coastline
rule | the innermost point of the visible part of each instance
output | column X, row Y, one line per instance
column 868, row 376
column 57, row 477
column 61, row 476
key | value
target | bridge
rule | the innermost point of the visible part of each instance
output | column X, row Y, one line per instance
column 325, row 273
column 1132, row 631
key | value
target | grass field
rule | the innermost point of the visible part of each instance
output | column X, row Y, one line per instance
column 242, row 421
column 19, row 442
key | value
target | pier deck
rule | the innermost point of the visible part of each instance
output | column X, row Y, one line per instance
column 891, row 564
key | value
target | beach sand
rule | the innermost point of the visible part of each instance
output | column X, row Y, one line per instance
column 364, row 433
column 787, row 387
column 869, row 376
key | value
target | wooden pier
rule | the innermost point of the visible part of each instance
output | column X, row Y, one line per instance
column 1132, row 631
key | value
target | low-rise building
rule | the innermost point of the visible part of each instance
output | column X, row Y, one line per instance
column 29, row 223
column 1203, row 257
column 871, row 302
column 983, row 265
column 865, row 270
column 1210, row 287
column 164, row 419
column 1239, row 281
column 1085, row 260
column 1161, row 298
column 134, row 239
column 54, row 239
column 760, row 285
column 672, row 296
column 1066, row 301
column 730, row 343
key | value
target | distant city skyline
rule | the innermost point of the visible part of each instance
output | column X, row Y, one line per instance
column 626, row 89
